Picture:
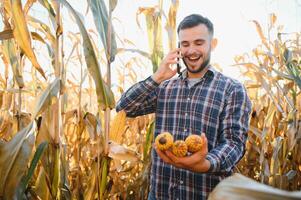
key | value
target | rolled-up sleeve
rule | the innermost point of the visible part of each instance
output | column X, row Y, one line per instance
column 234, row 124
column 140, row 99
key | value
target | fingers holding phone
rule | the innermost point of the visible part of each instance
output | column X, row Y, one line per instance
column 178, row 60
column 167, row 67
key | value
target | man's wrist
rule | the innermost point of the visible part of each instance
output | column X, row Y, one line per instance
column 201, row 167
column 157, row 78
column 207, row 165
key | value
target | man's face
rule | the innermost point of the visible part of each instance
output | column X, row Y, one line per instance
column 195, row 44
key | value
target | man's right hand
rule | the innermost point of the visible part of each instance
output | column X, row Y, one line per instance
column 166, row 69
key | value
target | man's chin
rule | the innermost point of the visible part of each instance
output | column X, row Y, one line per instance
column 194, row 69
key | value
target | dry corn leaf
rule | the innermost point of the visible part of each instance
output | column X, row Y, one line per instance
column 41, row 187
column 10, row 53
column 48, row 6
column 154, row 32
column 92, row 182
column 270, row 116
column 7, row 100
column 291, row 134
column 143, row 53
column 273, row 19
column 120, row 152
column 171, row 24
column 22, row 35
column 275, row 162
column 104, row 26
column 105, row 96
column 239, row 187
column 47, row 97
column 28, row 5
column 260, row 32
column 6, row 125
column 14, row 157
column 93, row 125
column 39, row 25
column 1, row 98
column 6, row 34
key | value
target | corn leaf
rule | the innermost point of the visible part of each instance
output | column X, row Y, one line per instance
column 48, row 6
column 295, row 73
column 48, row 97
column 261, row 35
column 239, row 187
column 105, row 96
column 25, row 179
column 90, row 192
column 41, row 187
column 171, row 24
column 22, row 35
column 148, row 140
column 56, row 171
column 142, row 53
column 1, row 98
column 10, row 52
column 6, row 34
column 14, row 156
column 93, row 125
column 28, row 5
column 101, row 20
column 275, row 162
column 120, row 152
column 273, row 19
column 7, row 100
column 104, row 173
column 154, row 32
column 112, row 5
column 37, row 24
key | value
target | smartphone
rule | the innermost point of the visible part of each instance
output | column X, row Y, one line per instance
column 178, row 63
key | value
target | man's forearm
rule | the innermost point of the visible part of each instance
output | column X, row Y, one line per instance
column 139, row 99
column 200, row 167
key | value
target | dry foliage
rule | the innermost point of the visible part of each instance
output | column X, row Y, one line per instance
column 273, row 80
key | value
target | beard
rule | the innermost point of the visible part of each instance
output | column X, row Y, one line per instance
column 200, row 68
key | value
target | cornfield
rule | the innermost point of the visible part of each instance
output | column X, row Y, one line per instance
column 60, row 136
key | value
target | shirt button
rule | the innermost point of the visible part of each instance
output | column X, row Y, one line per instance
column 186, row 114
column 185, row 130
column 188, row 99
column 181, row 182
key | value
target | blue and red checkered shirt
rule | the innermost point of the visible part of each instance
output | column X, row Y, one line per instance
column 216, row 105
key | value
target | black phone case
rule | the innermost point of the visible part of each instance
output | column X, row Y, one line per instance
column 178, row 63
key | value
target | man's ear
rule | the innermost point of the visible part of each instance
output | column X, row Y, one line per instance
column 213, row 43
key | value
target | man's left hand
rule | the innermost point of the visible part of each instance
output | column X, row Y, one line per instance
column 196, row 162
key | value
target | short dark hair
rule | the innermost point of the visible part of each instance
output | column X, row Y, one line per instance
column 194, row 20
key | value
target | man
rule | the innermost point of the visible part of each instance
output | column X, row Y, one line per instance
column 200, row 101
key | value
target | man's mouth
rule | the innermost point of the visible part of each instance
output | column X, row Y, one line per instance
column 193, row 58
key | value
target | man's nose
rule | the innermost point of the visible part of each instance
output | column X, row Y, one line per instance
column 191, row 50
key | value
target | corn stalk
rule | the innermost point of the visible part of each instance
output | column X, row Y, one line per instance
column 274, row 76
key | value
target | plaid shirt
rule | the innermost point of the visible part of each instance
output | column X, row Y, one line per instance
column 216, row 105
